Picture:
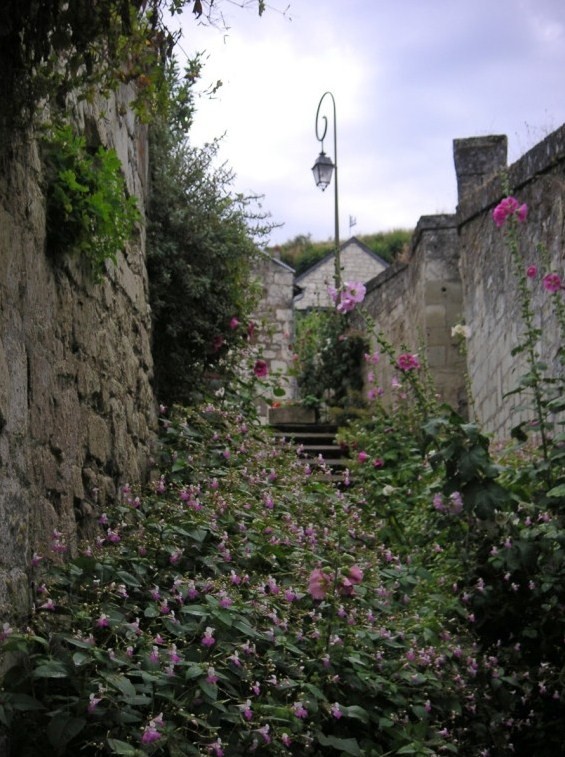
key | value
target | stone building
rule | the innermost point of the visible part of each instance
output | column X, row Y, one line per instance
column 275, row 318
column 358, row 263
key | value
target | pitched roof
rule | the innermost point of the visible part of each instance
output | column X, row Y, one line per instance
column 330, row 255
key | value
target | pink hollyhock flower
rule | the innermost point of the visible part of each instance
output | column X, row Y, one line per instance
column 552, row 282
column 407, row 362
column 507, row 207
column 351, row 295
column 234, row 323
column 355, row 574
column 318, row 583
column 531, row 271
column 261, row 369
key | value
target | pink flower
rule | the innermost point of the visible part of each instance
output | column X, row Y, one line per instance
column 261, row 369
column 208, row 639
column 531, row 271
column 362, row 456
column 407, row 362
column 352, row 293
column 93, row 702
column 103, row 621
column 150, row 734
column 355, row 574
column 211, row 676
column 299, row 710
column 234, row 323
column 318, row 584
column 374, row 358
column 216, row 748
column 508, row 207
column 552, row 282
column 335, row 710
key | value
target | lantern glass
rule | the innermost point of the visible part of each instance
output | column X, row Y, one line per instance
column 322, row 170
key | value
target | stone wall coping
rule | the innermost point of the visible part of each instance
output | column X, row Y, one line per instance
column 540, row 159
column 382, row 278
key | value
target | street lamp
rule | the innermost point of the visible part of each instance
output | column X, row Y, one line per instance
column 322, row 170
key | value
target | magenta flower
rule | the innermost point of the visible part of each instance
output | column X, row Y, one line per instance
column 299, row 710
column 211, row 676
column 407, row 362
column 335, row 710
column 261, row 369
column 234, row 323
column 352, row 293
column 508, row 207
column 150, row 734
column 318, row 584
column 552, row 282
column 208, row 639
column 355, row 574
column 362, row 456
column 531, row 271
column 103, row 621
column 93, row 702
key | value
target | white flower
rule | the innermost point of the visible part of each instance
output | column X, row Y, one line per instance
column 461, row 330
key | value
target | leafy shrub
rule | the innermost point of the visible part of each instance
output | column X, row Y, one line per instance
column 88, row 211
column 329, row 357
column 201, row 242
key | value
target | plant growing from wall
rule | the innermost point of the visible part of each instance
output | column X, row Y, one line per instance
column 88, row 212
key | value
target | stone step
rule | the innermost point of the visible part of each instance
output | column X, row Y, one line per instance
column 313, row 440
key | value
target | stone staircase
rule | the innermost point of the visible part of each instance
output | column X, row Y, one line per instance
column 316, row 444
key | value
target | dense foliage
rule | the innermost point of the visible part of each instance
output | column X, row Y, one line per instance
column 50, row 49
column 88, row 212
column 328, row 359
column 201, row 242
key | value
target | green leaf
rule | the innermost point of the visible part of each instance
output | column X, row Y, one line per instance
column 121, row 683
column 349, row 746
column 356, row 712
column 62, row 729
column 51, row 669
column 121, row 747
column 557, row 491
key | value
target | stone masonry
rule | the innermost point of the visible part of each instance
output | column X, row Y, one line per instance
column 77, row 412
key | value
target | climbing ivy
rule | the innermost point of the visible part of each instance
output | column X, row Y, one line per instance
column 88, row 210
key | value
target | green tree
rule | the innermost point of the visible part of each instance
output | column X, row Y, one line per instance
column 201, row 241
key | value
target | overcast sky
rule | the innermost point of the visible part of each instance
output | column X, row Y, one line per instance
column 408, row 77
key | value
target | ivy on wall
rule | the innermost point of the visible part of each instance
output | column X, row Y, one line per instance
column 88, row 210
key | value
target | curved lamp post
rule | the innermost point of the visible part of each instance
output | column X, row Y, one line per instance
column 323, row 169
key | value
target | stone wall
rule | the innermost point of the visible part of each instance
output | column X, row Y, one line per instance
column 357, row 263
column 276, row 321
column 460, row 271
column 491, row 305
column 415, row 306
column 77, row 413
